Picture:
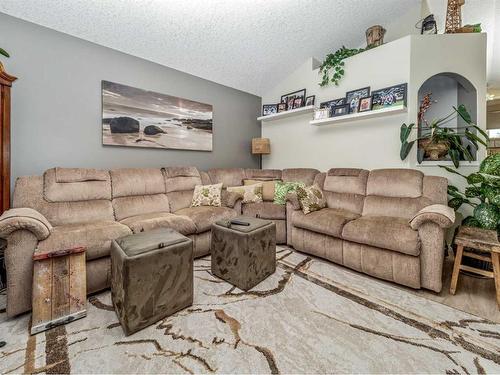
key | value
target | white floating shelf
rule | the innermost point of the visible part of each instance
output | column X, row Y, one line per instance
column 285, row 114
column 360, row 116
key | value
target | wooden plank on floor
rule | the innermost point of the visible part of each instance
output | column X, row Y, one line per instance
column 42, row 292
column 77, row 283
column 60, row 286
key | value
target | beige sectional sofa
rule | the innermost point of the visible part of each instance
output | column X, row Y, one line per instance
column 373, row 222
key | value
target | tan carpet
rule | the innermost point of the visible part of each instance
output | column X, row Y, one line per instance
column 309, row 317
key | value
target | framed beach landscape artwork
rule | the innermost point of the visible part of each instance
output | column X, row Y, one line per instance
column 133, row 117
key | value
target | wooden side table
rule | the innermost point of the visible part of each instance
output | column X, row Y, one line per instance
column 485, row 241
column 59, row 288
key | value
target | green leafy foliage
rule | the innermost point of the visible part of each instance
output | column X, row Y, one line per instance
column 461, row 142
column 483, row 194
column 4, row 52
column 332, row 68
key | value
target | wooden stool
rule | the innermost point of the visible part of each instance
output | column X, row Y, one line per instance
column 480, row 239
column 59, row 288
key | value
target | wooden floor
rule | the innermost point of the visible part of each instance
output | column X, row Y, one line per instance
column 474, row 295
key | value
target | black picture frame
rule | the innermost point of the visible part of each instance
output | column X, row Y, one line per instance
column 311, row 98
column 298, row 102
column 289, row 103
column 339, row 110
column 281, row 107
column 285, row 99
column 390, row 96
column 369, row 108
column 269, row 109
column 332, row 103
column 352, row 98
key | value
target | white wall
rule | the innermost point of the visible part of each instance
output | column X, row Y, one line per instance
column 373, row 143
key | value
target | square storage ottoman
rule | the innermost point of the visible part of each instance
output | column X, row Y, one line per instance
column 151, row 277
column 244, row 255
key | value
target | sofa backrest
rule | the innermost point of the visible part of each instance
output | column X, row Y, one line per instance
column 228, row 176
column 138, row 191
column 67, row 196
column 402, row 192
column 305, row 175
column 344, row 188
column 262, row 174
column 180, row 183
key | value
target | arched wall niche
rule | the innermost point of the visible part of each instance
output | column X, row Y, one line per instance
column 447, row 90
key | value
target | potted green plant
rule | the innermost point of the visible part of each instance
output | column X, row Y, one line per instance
column 437, row 140
column 482, row 194
column 332, row 68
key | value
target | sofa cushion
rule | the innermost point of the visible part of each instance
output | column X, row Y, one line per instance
column 96, row 237
column 228, row 176
column 140, row 205
column 204, row 216
column 264, row 210
column 181, row 178
column 386, row 232
column 268, row 187
column 207, row 195
column 305, row 175
column 250, row 193
column 396, row 183
column 147, row 222
column 263, row 174
column 137, row 181
column 328, row 221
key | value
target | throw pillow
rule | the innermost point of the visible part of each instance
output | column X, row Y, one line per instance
column 250, row 193
column 207, row 195
column 267, row 188
column 311, row 199
column 281, row 189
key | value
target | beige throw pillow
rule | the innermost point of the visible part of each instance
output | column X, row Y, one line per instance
column 267, row 188
column 311, row 198
column 250, row 193
column 207, row 195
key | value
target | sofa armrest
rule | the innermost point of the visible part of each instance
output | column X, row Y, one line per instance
column 24, row 218
column 293, row 199
column 439, row 214
column 230, row 198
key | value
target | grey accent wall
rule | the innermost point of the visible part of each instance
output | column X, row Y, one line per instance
column 56, row 105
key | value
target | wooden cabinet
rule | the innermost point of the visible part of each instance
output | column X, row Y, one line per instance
column 5, row 85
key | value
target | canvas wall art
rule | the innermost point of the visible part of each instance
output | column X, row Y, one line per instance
column 139, row 118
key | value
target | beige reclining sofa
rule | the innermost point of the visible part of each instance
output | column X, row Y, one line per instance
column 373, row 222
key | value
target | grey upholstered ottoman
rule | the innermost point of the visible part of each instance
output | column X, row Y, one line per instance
column 244, row 255
column 151, row 277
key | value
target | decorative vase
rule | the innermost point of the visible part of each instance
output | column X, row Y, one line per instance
column 435, row 150
column 375, row 36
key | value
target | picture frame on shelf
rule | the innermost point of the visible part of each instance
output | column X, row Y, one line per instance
column 391, row 96
column 298, row 102
column 321, row 113
column 310, row 100
column 353, row 97
column 281, row 107
column 365, row 104
column 332, row 103
column 295, row 94
column 269, row 109
column 290, row 100
column 340, row 110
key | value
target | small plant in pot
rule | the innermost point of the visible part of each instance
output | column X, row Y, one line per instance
column 482, row 193
column 438, row 141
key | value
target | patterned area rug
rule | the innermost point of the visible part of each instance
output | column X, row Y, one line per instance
column 309, row 317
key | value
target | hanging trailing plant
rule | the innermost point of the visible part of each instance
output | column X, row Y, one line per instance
column 4, row 52
column 332, row 68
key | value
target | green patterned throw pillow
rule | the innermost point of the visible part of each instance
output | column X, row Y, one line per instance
column 250, row 193
column 207, row 195
column 283, row 188
column 311, row 199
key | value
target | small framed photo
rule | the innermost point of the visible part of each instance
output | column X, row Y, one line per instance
column 310, row 100
column 295, row 94
column 289, row 104
column 390, row 96
column 269, row 109
column 340, row 110
column 297, row 102
column 365, row 104
column 322, row 113
column 332, row 103
column 353, row 97
column 281, row 107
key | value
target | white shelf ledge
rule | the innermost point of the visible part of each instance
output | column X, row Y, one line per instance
column 285, row 114
column 360, row 116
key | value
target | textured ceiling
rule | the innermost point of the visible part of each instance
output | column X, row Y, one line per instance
column 246, row 44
